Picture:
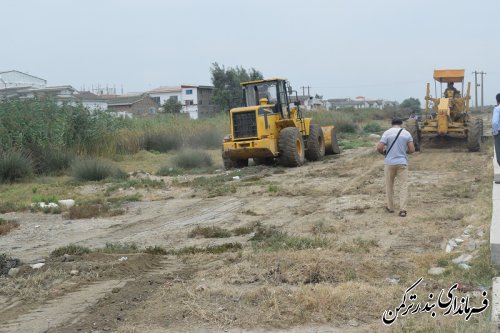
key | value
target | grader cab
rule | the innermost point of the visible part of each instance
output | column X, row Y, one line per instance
column 448, row 113
column 271, row 127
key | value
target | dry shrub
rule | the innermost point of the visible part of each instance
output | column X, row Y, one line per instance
column 7, row 226
column 129, row 141
column 209, row 232
column 14, row 165
column 87, row 211
column 263, row 306
column 192, row 159
column 162, row 141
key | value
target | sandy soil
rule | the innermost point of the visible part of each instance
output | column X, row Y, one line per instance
column 240, row 292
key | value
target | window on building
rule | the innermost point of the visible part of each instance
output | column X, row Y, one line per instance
column 189, row 102
column 174, row 98
column 200, row 102
column 189, row 91
column 152, row 110
column 157, row 100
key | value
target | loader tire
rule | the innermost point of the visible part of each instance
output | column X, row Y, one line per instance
column 412, row 127
column 291, row 147
column 315, row 143
column 474, row 133
column 230, row 164
column 264, row 161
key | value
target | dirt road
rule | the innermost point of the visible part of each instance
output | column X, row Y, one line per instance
column 316, row 288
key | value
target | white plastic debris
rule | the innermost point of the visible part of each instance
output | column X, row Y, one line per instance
column 123, row 259
column 37, row 226
column 236, row 178
column 38, row 265
column 67, row 203
column 459, row 240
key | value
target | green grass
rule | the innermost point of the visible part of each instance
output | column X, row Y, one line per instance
column 44, row 198
column 273, row 188
column 71, row 249
column 155, row 250
column 372, row 127
column 272, row 239
column 135, row 183
column 121, row 248
column 209, row 232
column 359, row 245
column 214, row 249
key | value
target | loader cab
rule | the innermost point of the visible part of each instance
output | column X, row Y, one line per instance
column 274, row 90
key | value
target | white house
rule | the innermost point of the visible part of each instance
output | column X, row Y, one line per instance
column 16, row 79
column 195, row 99
column 92, row 101
column 164, row 93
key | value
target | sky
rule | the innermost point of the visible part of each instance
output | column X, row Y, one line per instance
column 340, row 48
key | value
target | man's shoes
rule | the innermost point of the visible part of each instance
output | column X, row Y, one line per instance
column 388, row 210
column 402, row 213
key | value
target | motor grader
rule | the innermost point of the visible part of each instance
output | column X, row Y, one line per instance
column 447, row 116
column 271, row 127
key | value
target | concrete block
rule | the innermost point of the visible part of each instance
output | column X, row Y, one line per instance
column 495, row 226
column 496, row 167
column 495, row 217
column 495, row 300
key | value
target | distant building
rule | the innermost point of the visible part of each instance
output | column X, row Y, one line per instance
column 195, row 100
column 16, row 79
column 359, row 102
column 91, row 101
column 60, row 93
column 132, row 106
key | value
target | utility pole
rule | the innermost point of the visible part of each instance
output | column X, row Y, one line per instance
column 482, row 91
column 475, row 89
column 304, row 91
column 479, row 85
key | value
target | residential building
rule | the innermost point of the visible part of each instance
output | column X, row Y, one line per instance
column 359, row 102
column 132, row 106
column 16, row 79
column 195, row 99
column 60, row 93
column 92, row 101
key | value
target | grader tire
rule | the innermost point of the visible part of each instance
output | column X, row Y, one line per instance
column 315, row 143
column 474, row 134
column 335, row 142
column 412, row 127
column 291, row 147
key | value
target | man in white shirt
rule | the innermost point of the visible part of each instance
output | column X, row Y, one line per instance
column 395, row 143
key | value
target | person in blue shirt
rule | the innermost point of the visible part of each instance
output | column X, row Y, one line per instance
column 495, row 127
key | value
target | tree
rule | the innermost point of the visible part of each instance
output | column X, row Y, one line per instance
column 227, row 90
column 412, row 104
column 172, row 106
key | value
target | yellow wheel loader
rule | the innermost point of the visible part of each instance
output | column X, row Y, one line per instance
column 449, row 115
column 271, row 126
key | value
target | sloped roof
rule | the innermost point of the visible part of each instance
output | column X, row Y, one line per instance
column 88, row 96
column 166, row 89
column 36, row 77
column 126, row 100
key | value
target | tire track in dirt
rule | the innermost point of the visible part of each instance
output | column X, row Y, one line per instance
column 70, row 309
column 60, row 309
